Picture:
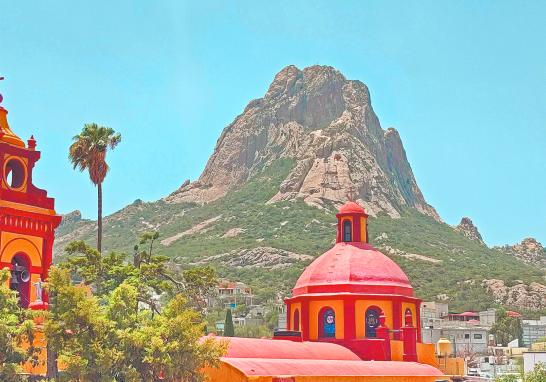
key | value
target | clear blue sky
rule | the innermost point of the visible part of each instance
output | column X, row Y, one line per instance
column 464, row 82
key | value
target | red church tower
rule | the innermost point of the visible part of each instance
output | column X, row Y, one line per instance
column 27, row 218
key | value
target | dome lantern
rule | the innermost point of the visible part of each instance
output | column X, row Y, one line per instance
column 352, row 224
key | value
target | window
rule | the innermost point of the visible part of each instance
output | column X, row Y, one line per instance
column 478, row 336
column 372, row 321
column 14, row 173
column 466, row 336
column 327, row 323
column 297, row 320
column 347, row 235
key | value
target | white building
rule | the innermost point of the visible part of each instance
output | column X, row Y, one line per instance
column 531, row 358
column 533, row 330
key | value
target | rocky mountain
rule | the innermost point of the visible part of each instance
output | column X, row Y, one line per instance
column 265, row 204
column 326, row 123
column 529, row 251
column 468, row 229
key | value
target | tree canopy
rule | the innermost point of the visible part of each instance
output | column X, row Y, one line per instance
column 132, row 321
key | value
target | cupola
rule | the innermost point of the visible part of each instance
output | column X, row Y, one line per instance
column 352, row 224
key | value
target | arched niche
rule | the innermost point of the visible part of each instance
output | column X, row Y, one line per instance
column 371, row 321
column 327, row 323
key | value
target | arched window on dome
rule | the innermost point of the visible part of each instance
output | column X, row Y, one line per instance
column 327, row 323
column 371, row 318
column 347, row 234
column 297, row 320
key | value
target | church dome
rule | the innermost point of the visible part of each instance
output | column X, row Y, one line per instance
column 353, row 268
column 351, row 208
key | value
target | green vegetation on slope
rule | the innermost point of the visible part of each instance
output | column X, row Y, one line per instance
column 297, row 227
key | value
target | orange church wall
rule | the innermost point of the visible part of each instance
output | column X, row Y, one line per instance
column 408, row 378
column 363, row 237
column 227, row 373
column 41, row 367
column 293, row 308
column 314, row 309
column 360, row 310
column 426, row 354
column 12, row 243
column 397, row 350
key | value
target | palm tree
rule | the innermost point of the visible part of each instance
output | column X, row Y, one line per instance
column 88, row 152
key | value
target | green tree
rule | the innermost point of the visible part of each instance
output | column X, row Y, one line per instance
column 199, row 283
column 88, row 152
column 102, row 339
column 506, row 328
column 538, row 374
column 229, row 330
column 16, row 328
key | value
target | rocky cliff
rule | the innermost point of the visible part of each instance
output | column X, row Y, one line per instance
column 468, row 229
column 326, row 123
column 529, row 251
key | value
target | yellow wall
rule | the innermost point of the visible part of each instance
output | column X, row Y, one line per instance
column 293, row 308
column 360, row 310
column 13, row 243
column 314, row 309
column 411, row 306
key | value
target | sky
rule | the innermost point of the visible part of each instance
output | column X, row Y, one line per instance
column 464, row 82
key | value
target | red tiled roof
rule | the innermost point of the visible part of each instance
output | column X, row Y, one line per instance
column 282, row 349
column 307, row 367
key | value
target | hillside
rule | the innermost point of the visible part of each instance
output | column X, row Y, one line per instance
column 264, row 206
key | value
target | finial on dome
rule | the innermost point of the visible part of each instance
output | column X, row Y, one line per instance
column 1, row 98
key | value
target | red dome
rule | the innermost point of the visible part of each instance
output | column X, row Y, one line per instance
column 353, row 268
column 351, row 208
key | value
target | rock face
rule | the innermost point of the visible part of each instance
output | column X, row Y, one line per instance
column 260, row 257
column 532, row 296
column 467, row 228
column 529, row 251
column 325, row 123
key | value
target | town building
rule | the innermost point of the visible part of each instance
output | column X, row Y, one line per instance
column 533, row 330
column 352, row 316
column 231, row 294
column 533, row 358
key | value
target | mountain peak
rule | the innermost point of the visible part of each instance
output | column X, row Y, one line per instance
column 327, row 126
column 468, row 229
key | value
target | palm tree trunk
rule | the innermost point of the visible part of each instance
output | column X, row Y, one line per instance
column 99, row 217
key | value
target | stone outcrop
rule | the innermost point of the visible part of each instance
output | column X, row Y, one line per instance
column 259, row 257
column 468, row 229
column 529, row 251
column 327, row 125
column 532, row 296
column 71, row 217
